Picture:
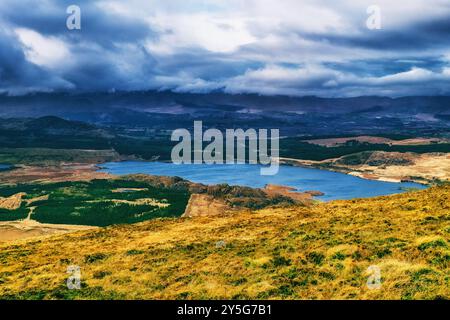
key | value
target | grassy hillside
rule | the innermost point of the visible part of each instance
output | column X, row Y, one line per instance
column 318, row 252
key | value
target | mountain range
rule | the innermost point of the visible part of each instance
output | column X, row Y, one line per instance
column 310, row 115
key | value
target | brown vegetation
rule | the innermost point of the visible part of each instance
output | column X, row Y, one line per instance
column 318, row 252
column 336, row 142
column 26, row 229
column 300, row 197
column 59, row 173
column 387, row 166
column 205, row 205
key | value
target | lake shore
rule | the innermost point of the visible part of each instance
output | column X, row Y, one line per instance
column 422, row 169
column 334, row 185
column 54, row 173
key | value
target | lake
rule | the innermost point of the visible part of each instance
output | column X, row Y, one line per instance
column 4, row 167
column 334, row 185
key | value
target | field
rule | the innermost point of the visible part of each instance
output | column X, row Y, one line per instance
column 333, row 142
column 427, row 168
column 321, row 251
column 63, row 172
column 94, row 203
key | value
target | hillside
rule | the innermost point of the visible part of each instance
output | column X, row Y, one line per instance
column 88, row 104
column 388, row 166
column 297, row 252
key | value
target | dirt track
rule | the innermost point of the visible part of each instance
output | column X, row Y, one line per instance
column 16, row 230
column 61, row 173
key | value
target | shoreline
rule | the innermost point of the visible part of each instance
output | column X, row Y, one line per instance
column 28, row 228
column 309, row 164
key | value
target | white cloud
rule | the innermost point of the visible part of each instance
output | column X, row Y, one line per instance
column 41, row 50
column 317, row 80
column 298, row 47
column 215, row 34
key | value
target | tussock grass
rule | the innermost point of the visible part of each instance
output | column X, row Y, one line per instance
column 317, row 252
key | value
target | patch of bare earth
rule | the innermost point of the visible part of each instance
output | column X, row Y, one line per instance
column 124, row 190
column 201, row 205
column 137, row 202
column 387, row 166
column 13, row 202
column 25, row 229
column 335, row 142
column 60, row 173
column 303, row 197
column 425, row 167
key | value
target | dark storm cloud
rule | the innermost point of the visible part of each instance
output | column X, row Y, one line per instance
column 261, row 47
column 17, row 75
column 381, row 67
column 94, row 70
column 100, row 25
column 210, row 67
column 97, row 50
column 421, row 34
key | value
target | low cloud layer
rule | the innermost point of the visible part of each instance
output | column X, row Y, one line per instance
column 293, row 47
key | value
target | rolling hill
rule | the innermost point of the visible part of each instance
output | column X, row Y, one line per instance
column 322, row 251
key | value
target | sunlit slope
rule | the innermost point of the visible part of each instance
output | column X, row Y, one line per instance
column 318, row 252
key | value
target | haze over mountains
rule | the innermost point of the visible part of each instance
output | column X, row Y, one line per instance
column 165, row 110
column 172, row 102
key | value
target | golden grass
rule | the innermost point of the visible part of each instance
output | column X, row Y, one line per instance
column 318, row 252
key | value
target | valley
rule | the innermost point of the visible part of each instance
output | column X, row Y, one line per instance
column 224, row 150
column 94, row 187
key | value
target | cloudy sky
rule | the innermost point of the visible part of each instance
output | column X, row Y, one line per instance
column 293, row 47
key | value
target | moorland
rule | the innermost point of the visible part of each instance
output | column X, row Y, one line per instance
column 152, row 237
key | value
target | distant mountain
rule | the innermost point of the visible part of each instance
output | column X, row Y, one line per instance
column 54, row 132
column 54, row 123
column 376, row 109
column 51, row 125
column 66, row 104
column 162, row 111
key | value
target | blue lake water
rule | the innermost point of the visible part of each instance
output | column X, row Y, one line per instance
column 4, row 166
column 334, row 185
